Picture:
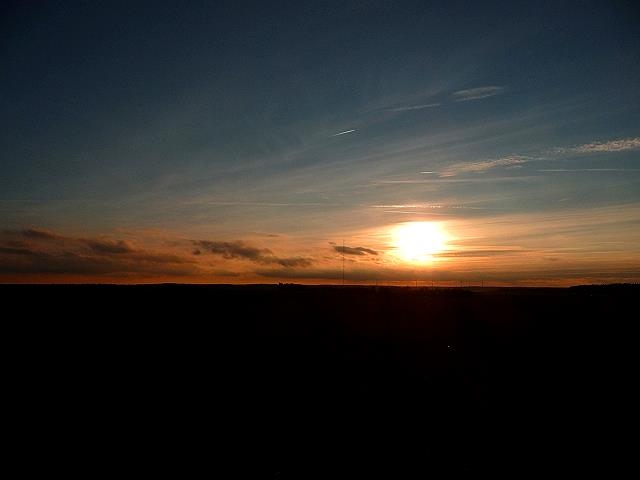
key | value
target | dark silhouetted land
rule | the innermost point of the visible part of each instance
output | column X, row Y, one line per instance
column 322, row 382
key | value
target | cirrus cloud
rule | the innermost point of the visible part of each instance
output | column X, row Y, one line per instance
column 477, row 93
column 483, row 165
column 619, row 145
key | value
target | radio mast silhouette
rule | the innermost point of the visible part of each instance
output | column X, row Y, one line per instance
column 343, row 261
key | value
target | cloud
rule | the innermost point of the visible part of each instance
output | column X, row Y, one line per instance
column 230, row 250
column 412, row 107
column 39, row 233
column 483, row 165
column 107, row 247
column 411, row 205
column 509, row 179
column 102, row 246
column 291, row 262
column 269, row 204
column 41, row 262
column 620, row 145
column 481, row 253
column 35, row 251
column 47, row 252
column 354, row 250
column 239, row 250
column 476, row 93
column 15, row 251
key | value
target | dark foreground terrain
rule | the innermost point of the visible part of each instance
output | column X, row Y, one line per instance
column 319, row 382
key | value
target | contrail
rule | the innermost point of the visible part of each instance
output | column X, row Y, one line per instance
column 343, row 133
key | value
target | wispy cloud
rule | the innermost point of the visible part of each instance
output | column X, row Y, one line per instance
column 477, row 93
column 481, row 253
column 506, row 179
column 354, row 250
column 620, row 145
column 483, row 165
column 267, row 204
column 240, row 250
column 409, row 205
column 412, row 107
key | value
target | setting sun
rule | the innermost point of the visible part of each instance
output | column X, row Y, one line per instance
column 418, row 242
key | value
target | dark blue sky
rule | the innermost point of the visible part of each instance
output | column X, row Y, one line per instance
column 226, row 120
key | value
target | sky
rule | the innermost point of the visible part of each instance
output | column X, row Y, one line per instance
column 396, row 142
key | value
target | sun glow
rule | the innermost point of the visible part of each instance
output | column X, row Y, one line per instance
column 419, row 242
